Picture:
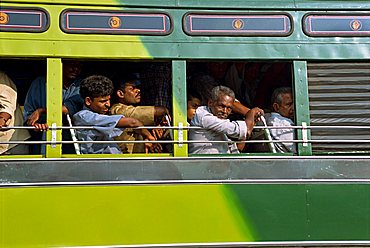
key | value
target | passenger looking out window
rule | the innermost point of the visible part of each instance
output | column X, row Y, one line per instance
column 35, row 103
column 11, row 115
column 128, row 95
column 193, row 102
column 282, row 115
column 96, row 91
column 216, row 125
column 203, row 84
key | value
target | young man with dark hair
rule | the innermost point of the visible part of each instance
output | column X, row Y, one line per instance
column 96, row 91
column 128, row 95
column 194, row 100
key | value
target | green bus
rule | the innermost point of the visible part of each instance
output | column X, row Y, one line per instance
column 318, row 196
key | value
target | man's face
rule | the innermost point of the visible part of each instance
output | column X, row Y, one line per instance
column 222, row 107
column 192, row 106
column 286, row 108
column 71, row 69
column 130, row 95
column 99, row 104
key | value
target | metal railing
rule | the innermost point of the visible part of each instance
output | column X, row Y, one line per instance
column 182, row 128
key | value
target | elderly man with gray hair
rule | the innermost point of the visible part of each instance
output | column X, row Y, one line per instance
column 216, row 125
column 282, row 116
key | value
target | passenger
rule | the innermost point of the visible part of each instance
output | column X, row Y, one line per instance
column 193, row 102
column 282, row 115
column 96, row 91
column 11, row 115
column 156, row 81
column 128, row 95
column 35, row 103
column 217, row 127
column 203, row 84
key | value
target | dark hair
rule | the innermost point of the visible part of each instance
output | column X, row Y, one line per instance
column 193, row 94
column 128, row 78
column 96, row 86
column 221, row 90
column 277, row 95
column 203, row 84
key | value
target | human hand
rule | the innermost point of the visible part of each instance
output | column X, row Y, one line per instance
column 35, row 116
column 41, row 127
column 251, row 118
column 3, row 122
column 4, row 118
column 152, row 147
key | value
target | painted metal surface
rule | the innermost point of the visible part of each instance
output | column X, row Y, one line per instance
column 168, row 169
column 237, row 4
column 296, row 46
column 100, row 202
column 301, row 103
column 54, row 74
column 339, row 94
column 179, row 105
column 159, row 214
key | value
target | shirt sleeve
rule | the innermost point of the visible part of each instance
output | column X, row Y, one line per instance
column 105, row 124
column 145, row 114
column 282, row 134
column 72, row 99
column 233, row 129
column 36, row 97
column 8, row 96
column 73, row 104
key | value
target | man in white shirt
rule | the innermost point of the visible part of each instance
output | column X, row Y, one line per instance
column 282, row 116
column 216, row 126
column 11, row 115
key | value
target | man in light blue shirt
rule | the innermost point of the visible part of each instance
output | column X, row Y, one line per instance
column 283, row 116
column 96, row 91
column 104, row 129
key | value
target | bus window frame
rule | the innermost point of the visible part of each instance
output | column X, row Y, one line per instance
column 46, row 27
column 235, row 14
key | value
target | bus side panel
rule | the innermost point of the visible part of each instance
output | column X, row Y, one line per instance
column 276, row 212
column 118, row 215
column 157, row 214
column 339, row 212
column 317, row 212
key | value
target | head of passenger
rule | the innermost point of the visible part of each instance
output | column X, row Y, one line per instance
column 282, row 102
column 222, row 99
column 217, row 70
column 203, row 84
column 96, row 91
column 71, row 70
column 128, row 91
column 193, row 102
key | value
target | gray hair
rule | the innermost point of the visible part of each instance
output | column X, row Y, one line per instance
column 221, row 90
column 277, row 95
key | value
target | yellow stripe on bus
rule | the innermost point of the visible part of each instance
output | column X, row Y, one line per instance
column 117, row 215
